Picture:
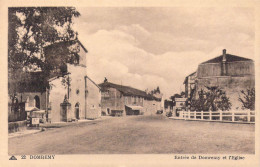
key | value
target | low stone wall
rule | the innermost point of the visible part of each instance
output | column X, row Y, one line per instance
column 16, row 126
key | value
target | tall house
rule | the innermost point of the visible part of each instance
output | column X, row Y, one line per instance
column 190, row 85
column 230, row 72
column 124, row 100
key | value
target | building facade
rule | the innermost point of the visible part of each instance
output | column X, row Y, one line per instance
column 31, row 90
column 229, row 72
column 73, row 95
column 190, row 85
column 124, row 100
column 67, row 82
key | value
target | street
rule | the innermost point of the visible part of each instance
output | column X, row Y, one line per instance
column 141, row 135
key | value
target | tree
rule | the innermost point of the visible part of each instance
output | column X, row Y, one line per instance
column 213, row 99
column 30, row 29
column 156, row 90
column 177, row 95
column 200, row 104
column 248, row 99
column 168, row 103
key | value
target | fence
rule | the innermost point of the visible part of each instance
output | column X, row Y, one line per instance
column 16, row 112
column 221, row 116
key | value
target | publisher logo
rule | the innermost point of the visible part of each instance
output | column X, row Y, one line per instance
column 12, row 158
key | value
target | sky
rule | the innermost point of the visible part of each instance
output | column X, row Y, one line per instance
column 149, row 47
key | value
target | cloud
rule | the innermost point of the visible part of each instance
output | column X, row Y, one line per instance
column 136, row 30
column 146, row 51
column 114, row 54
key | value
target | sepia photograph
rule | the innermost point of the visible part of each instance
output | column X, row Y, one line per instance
column 120, row 80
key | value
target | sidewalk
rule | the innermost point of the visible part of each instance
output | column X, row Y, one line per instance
column 53, row 125
column 24, row 132
column 63, row 124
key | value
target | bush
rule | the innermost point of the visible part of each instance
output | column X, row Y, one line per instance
column 169, row 114
column 248, row 100
column 213, row 99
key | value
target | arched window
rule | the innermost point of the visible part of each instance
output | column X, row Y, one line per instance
column 37, row 101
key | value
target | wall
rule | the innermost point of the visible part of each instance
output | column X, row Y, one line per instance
column 82, row 55
column 28, row 97
column 231, row 85
column 133, row 100
column 113, row 101
column 77, row 89
column 93, row 100
column 241, row 68
column 233, row 69
column 211, row 69
column 57, row 93
column 151, row 107
column 117, row 101
column 17, row 126
column 240, row 76
column 189, row 86
column 76, row 93
column 16, row 112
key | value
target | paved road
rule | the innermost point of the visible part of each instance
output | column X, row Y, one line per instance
column 139, row 134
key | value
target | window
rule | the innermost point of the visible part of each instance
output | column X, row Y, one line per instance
column 105, row 95
column 77, row 91
column 134, row 100
column 126, row 100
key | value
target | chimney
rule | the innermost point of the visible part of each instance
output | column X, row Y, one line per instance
column 224, row 58
column 224, row 64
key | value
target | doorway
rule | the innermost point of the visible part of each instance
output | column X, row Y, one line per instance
column 77, row 110
column 37, row 101
column 108, row 111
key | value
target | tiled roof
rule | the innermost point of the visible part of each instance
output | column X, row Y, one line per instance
column 229, row 58
column 127, row 90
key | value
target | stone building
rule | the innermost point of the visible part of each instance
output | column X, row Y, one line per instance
column 124, row 100
column 31, row 90
column 74, row 90
column 229, row 72
column 68, row 84
column 190, row 85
